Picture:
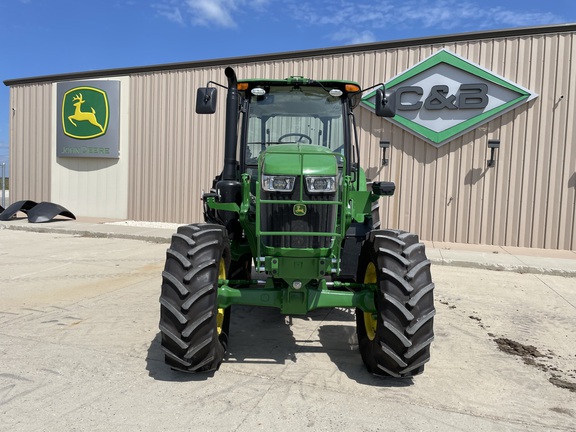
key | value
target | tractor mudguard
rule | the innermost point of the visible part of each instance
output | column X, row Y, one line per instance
column 45, row 211
column 23, row 206
column 351, row 248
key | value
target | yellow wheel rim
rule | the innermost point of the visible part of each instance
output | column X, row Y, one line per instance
column 370, row 322
column 220, row 315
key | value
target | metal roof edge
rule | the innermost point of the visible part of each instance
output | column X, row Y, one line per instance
column 400, row 43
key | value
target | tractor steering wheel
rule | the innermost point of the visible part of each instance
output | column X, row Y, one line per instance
column 301, row 135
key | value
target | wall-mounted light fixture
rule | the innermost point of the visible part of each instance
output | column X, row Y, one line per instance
column 384, row 144
column 493, row 144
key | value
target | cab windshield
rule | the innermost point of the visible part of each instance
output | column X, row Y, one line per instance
column 301, row 115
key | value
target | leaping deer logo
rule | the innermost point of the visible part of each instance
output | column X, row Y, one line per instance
column 80, row 115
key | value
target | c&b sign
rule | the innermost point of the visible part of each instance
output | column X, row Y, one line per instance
column 445, row 96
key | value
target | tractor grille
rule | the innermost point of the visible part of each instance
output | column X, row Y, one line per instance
column 280, row 217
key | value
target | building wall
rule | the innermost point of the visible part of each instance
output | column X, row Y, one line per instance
column 528, row 199
column 444, row 194
column 99, row 187
column 175, row 152
column 30, row 133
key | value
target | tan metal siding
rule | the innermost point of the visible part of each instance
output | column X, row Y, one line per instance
column 444, row 194
column 30, row 134
column 448, row 194
column 175, row 152
column 567, row 234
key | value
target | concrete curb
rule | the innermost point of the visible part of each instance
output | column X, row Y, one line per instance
column 522, row 269
column 92, row 233
column 466, row 258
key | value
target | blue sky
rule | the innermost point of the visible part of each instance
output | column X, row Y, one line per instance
column 44, row 37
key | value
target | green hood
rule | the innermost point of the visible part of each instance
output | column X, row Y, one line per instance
column 296, row 159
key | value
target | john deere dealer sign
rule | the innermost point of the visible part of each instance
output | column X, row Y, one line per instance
column 445, row 96
column 88, row 119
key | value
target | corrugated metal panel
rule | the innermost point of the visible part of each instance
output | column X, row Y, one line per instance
column 448, row 194
column 176, row 153
column 444, row 194
column 30, row 142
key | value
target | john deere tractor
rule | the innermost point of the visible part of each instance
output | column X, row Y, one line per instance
column 289, row 224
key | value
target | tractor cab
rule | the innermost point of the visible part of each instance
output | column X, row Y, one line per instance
column 295, row 111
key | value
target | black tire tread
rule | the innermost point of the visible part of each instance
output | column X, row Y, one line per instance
column 188, row 300
column 404, row 302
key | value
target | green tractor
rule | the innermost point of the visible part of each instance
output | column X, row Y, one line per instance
column 290, row 223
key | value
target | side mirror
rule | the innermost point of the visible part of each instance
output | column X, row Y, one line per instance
column 385, row 106
column 206, row 100
column 383, row 188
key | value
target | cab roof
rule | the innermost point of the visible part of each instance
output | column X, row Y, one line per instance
column 350, row 89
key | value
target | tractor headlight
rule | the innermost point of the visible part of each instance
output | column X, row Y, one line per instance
column 277, row 183
column 320, row 184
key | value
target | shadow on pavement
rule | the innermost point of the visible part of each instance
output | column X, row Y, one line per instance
column 264, row 336
column 158, row 370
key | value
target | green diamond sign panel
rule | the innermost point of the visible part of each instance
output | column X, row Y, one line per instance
column 88, row 121
column 445, row 96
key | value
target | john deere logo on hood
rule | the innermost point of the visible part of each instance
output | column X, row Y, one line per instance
column 445, row 96
column 85, row 112
column 299, row 209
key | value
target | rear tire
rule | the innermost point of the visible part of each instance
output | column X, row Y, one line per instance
column 396, row 340
column 194, row 331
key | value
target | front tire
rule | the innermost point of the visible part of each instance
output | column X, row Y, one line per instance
column 194, row 330
column 396, row 340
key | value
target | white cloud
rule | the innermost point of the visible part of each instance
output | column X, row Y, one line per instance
column 208, row 13
column 440, row 14
column 456, row 14
column 523, row 19
column 171, row 12
column 357, row 21
column 352, row 37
